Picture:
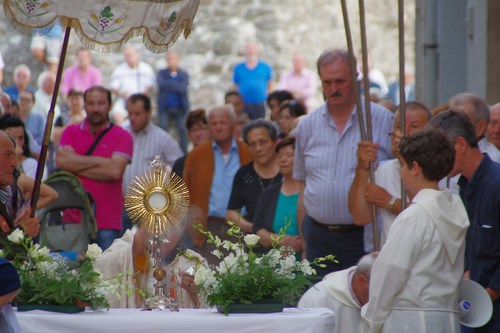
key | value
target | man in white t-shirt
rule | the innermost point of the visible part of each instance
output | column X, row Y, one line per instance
column 386, row 192
column 130, row 77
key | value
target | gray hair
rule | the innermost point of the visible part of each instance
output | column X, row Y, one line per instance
column 43, row 76
column 365, row 264
column 455, row 124
column 22, row 67
column 332, row 55
column 480, row 110
column 225, row 108
column 260, row 123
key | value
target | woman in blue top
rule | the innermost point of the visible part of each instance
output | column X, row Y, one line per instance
column 277, row 205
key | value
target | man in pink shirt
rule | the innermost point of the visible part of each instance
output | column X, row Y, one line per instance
column 300, row 81
column 82, row 75
column 100, row 170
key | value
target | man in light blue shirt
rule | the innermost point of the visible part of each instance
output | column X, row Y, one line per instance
column 226, row 165
column 325, row 162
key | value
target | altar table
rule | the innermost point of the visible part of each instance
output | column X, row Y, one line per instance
column 300, row 320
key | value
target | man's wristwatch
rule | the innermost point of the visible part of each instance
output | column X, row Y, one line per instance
column 391, row 203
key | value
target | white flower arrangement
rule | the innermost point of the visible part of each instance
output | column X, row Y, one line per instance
column 245, row 277
column 52, row 280
column 16, row 237
column 93, row 252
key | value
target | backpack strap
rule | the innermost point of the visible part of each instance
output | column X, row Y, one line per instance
column 96, row 141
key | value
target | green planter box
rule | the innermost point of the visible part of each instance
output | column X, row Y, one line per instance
column 261, row 307
column 51, row 308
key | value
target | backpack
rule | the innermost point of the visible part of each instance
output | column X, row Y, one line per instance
column 68, row 223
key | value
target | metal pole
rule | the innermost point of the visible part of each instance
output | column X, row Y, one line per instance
column 353, row 69
column 368, row 114
column 48, row 125
column 402, row 92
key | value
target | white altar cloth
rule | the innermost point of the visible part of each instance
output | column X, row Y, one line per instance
column 311, row 320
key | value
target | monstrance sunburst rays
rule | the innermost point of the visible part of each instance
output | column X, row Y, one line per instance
column 157, row 200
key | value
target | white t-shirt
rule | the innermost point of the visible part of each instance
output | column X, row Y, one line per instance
column 131, row 81
column 387, row 176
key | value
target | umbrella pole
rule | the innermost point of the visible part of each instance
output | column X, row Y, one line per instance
column 48, row 125
column 368, row 114
column 353, row 69
column 402, row 83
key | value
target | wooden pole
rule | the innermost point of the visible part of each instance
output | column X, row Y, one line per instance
column 48, row 125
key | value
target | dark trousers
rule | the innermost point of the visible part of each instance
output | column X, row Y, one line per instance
column 255, row 110
column 347, row 246
column 179, row 117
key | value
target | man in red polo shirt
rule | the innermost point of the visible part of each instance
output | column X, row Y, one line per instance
column 100, row 170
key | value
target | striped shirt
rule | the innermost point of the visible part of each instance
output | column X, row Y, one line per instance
column 148, row 143
column 326, row 160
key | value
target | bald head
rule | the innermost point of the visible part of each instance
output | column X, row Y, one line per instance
column 416, row 117
column 361, row 279
column 493, row 130
column 22, row 76
column 221, row 121
column 298, row 62
column 172, row 61
column 252, row 51
column 8, row 159
column 6, row 102
column 475, row 108
column 131, row 56
column 46, row 81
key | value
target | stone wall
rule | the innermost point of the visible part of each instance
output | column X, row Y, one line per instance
column 222, row 27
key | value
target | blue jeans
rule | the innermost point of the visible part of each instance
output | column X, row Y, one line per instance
column 105, row 237
column 348, row 246
column 164, row 118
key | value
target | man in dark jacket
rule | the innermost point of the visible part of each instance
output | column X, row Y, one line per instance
column 480, row 192
column 173, row 101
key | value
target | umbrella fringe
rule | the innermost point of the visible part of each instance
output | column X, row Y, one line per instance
column 99, row 46
column 159, row 48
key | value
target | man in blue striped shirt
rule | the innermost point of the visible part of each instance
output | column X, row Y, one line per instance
column 325, row 162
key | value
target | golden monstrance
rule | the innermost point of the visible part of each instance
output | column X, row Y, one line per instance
column 158, row 201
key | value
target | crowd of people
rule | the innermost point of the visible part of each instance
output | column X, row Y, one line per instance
column 266, row 161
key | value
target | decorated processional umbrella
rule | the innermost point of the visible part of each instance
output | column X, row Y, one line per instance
column 103, row 26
